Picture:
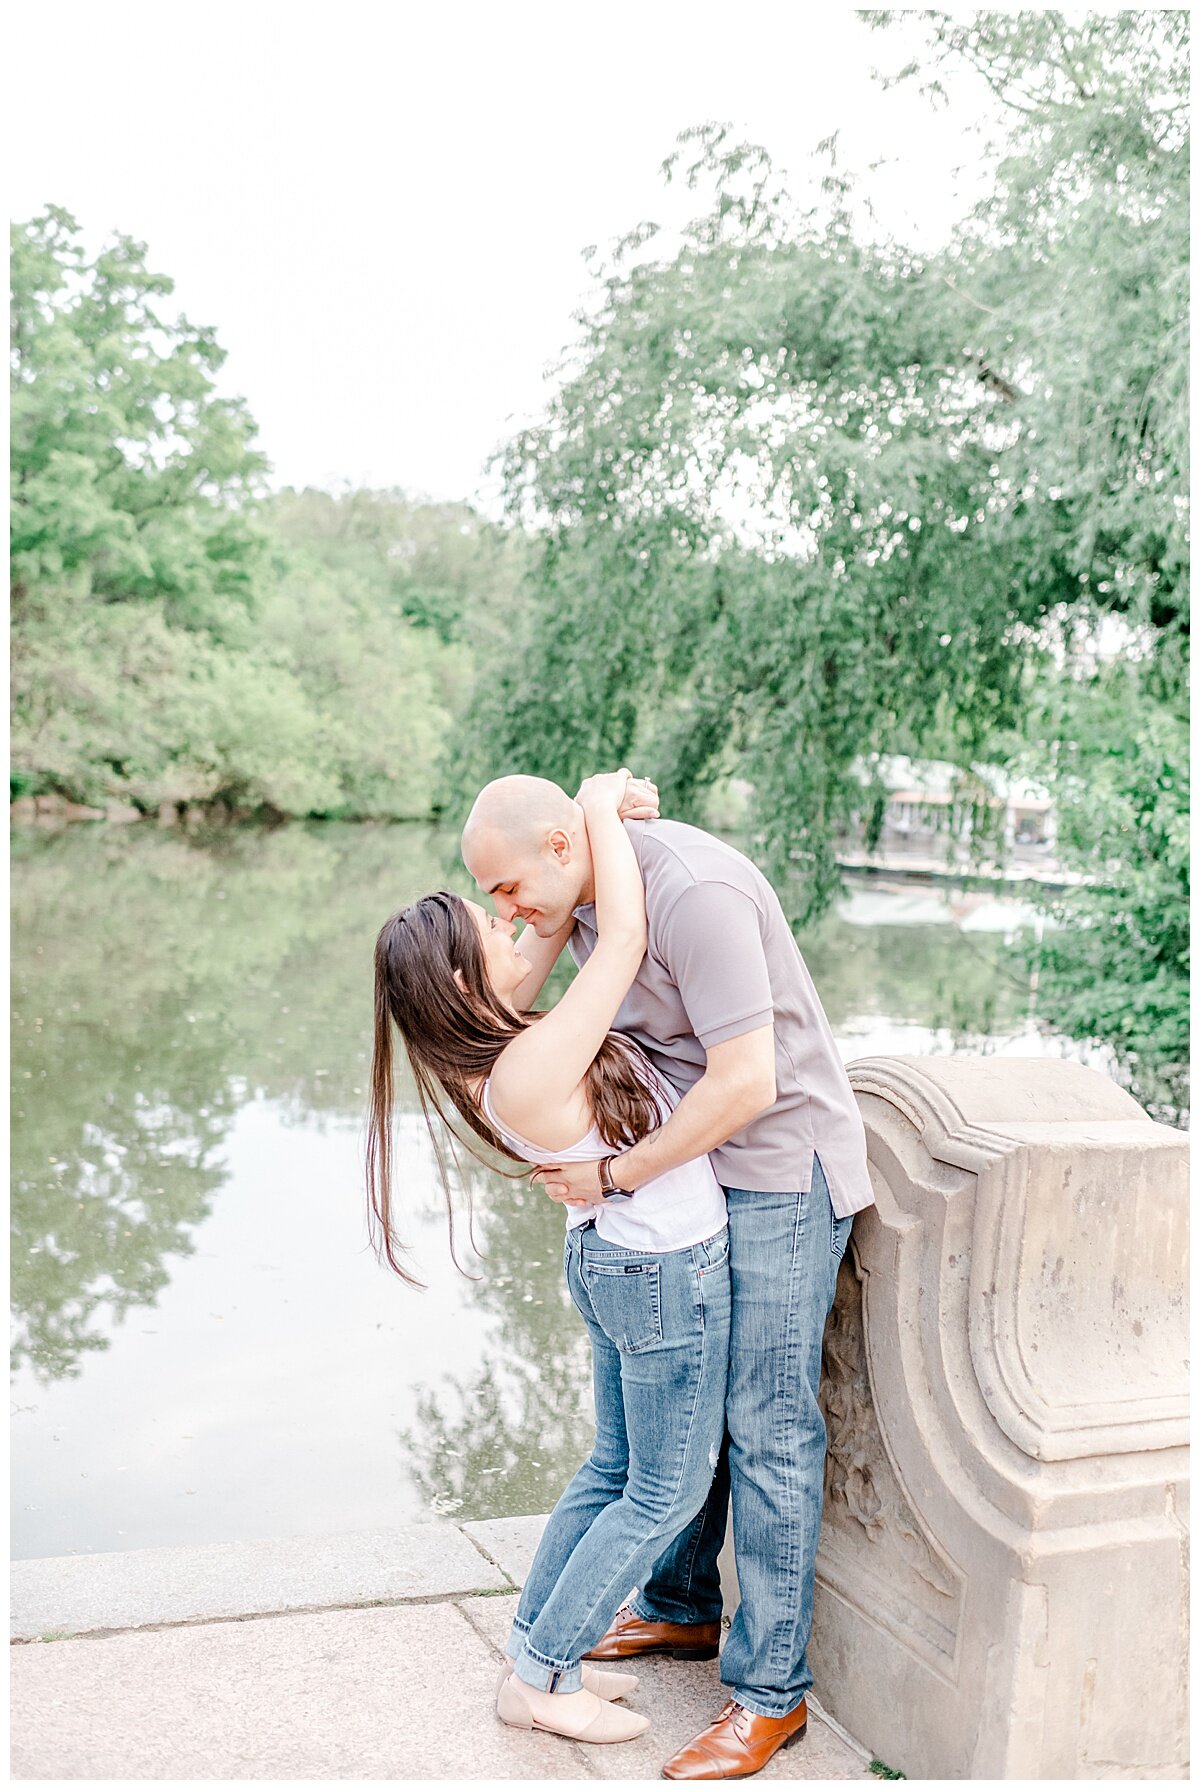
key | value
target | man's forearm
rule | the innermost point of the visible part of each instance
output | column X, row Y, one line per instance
column 708, row 1115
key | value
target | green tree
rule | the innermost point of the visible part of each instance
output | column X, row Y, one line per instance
column 805, row 498
column 1077, row 266
column 137, row 561
column 1115, row 968
column 376, row 616
column 178, row 638
column 439, row 565
column 131, row 477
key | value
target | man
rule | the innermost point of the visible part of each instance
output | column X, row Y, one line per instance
column 725, row 1007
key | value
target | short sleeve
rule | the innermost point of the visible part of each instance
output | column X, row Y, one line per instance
column 712, row 946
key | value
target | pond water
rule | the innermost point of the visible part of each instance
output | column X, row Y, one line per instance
column 205, row 1348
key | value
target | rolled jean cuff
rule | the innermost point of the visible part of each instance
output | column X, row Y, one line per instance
column 547, row 1674
column 516, row 1637
column 785, row 1704
column 685, row 1617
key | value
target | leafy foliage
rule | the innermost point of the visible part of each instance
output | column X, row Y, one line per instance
column 177, row 637
column 1116, row 969
column 1091, row 211
column 130, row 476
column 804, row 499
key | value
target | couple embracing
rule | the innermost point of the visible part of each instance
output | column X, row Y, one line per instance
column 686, row 1103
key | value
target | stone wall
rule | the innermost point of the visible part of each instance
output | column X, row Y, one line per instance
column 1002, row 1577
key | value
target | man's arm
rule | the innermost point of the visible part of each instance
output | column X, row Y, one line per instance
column 714, row 950
column 738, row 1084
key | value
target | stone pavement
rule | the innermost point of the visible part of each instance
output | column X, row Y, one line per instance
column 360, row 1656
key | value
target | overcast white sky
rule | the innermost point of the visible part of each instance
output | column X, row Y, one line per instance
column 382, row 208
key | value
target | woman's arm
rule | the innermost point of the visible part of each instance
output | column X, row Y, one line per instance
column 539, row 1073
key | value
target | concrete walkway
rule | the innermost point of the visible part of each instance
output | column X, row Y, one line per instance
column 359, row 1656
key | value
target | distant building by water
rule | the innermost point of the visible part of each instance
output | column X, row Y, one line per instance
column 931, row 816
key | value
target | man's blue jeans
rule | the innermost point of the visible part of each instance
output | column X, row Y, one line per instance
column 659, row 1326
column 784, row 1253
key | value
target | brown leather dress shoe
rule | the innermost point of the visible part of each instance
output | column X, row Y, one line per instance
column 737, row 1744
column 629, row 1635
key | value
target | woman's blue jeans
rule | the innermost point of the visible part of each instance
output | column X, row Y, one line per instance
column 785, row 1251
column 659, row 1327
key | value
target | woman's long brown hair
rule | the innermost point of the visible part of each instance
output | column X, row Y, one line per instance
column 453, row 1035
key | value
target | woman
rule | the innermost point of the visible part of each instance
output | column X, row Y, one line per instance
column 648, row 1273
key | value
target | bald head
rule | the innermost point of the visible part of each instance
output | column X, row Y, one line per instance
column 521, row 811
column 525, row 843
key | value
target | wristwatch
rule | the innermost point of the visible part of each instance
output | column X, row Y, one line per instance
column 608, row 1188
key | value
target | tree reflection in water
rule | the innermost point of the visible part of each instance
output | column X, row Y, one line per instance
column 163, row 979
column 94, row 1226
column 506, row 1440
column 160, row 980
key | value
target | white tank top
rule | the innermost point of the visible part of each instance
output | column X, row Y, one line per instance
column 675, row 1210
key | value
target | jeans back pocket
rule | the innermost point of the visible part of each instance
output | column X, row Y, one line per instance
column 626, row 1297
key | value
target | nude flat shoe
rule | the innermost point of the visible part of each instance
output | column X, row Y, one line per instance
column 577, row 1715
column 609, row 1685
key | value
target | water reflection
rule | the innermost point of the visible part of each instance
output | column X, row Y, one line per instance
column 191, row 1025
column 92, row 1227
column 944, row 979
column 505, row 1440
column 159, row 981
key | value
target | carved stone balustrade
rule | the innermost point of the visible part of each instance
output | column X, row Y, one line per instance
column 1002, row 1576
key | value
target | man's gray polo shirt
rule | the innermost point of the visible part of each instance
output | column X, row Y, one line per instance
column 721, row 961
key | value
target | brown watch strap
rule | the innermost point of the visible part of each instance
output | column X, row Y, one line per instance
column 608, row 1187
